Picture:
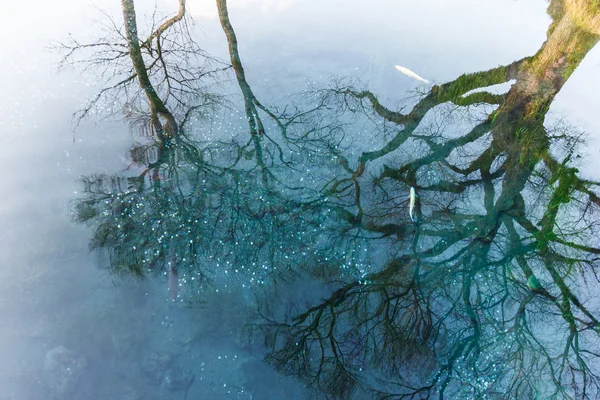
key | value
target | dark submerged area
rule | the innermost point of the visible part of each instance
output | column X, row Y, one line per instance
column 445, row 249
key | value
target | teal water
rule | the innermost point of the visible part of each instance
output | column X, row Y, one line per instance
column 303, row 200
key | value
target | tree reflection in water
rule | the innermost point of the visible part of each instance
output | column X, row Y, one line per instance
column 489, row 292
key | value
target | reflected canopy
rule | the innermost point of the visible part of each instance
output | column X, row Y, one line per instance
column 487, row 292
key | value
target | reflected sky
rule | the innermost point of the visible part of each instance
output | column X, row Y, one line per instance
column 273, row 220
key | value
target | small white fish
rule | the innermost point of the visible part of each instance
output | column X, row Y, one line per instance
column 408, row 72
column 412, row 199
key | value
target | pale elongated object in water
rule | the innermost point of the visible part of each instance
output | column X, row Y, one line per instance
column 408, row 72
column 412, row 197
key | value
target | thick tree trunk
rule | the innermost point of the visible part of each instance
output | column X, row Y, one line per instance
column 157, row 106
column 518, row 127
column 249, row 98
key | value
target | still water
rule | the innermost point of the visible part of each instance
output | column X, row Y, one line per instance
column 262, row 199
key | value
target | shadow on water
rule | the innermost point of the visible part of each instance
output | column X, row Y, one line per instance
column 298, row 234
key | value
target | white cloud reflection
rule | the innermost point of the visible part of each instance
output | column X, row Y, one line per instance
column 208, row 8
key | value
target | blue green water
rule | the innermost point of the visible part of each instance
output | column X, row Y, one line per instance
column 305, row 200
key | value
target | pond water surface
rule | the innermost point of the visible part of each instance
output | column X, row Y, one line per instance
column 261, row 199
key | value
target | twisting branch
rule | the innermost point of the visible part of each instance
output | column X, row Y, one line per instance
column 173, row 73
column 166, row 25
